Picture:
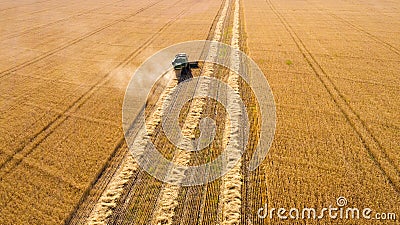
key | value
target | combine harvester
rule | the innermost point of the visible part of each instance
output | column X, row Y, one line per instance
column 182, row 66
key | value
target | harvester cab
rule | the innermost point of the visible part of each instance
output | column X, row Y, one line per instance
column 180, row 61
column 183, row 67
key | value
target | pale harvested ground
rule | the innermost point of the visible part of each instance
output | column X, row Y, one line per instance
column 317, row 155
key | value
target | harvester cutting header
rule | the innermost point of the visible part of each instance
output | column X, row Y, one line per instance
column 181, row 61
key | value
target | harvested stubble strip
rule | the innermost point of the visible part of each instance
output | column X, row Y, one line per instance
column 168, row 199
column 109, row 198
column 230, row 196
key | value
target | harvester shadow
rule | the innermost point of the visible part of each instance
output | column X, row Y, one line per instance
column 183, row 74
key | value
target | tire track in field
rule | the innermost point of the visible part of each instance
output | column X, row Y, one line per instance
column 152, row 127
column 231, row 199
column 254, row 184
column 23, row 32
column 32, row 3
column 167, row 201
column 82, row 13
column 230, row 190
column 30, row 13
column 98, row 121
column 230, row 185
column 66, row 111
column 92, row 194
column 127, row 171
column 194, row 204
column 103, row 209
column 373, row 147
column 192, row 200
column 72, row 42
column 122, row 202
column 360, row 29
column 125, row 201
column 116, row 160
column 14, row 160
column 360, row 81
column 86, row 203
column 102, row 181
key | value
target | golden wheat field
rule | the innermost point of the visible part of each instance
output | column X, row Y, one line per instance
column 333, row 69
